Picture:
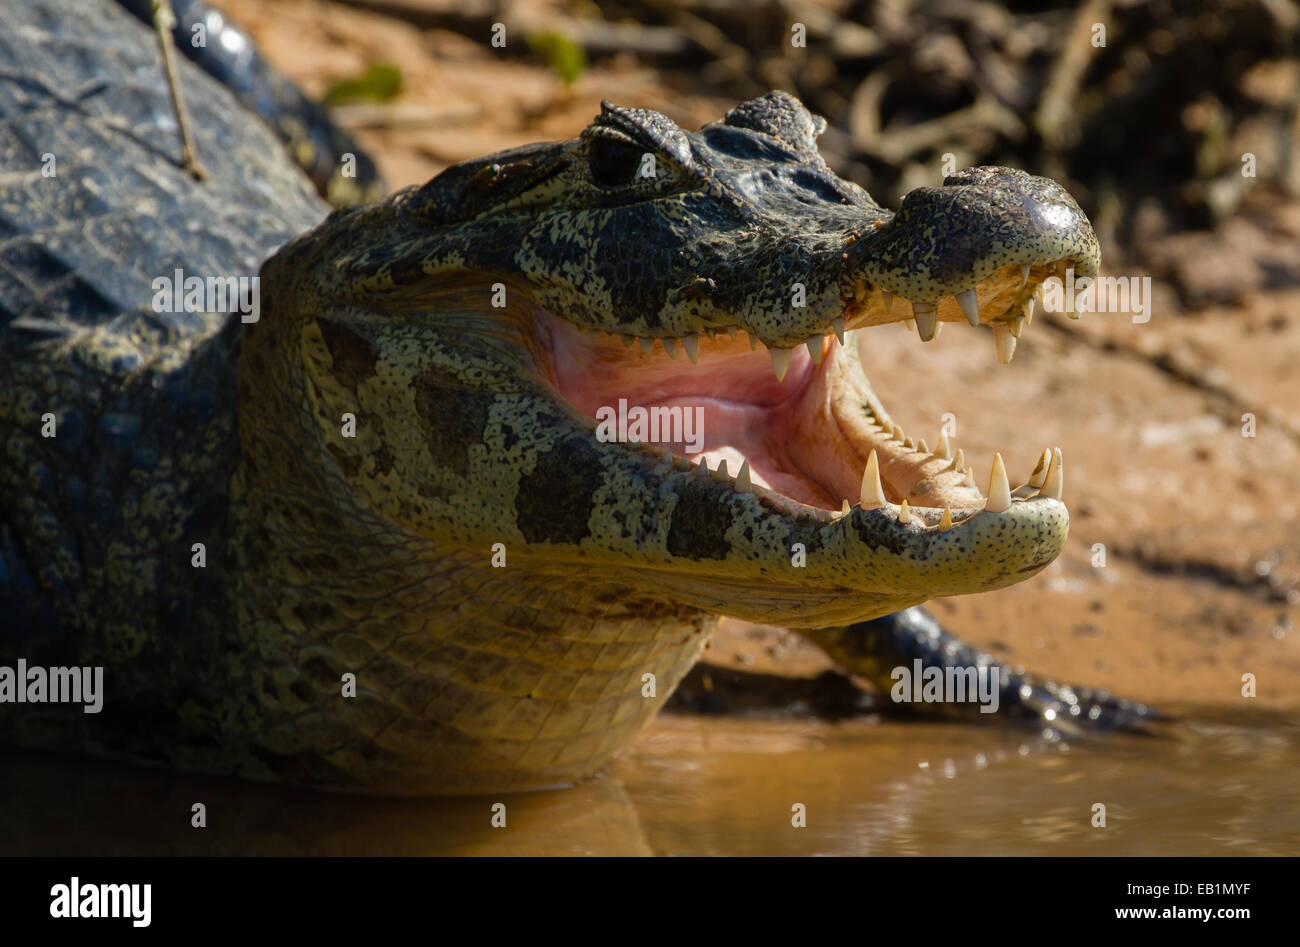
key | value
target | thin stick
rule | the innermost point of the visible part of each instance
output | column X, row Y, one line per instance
column 163, row 21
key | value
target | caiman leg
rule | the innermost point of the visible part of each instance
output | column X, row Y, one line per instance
column 874, row 649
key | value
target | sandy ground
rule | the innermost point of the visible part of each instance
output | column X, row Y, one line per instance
column 1200, row 580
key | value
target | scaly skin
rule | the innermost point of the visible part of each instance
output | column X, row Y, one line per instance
column 418, row 396
column 618, row 558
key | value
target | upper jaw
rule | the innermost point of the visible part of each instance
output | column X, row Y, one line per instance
column 975, row 250
column 944, row 240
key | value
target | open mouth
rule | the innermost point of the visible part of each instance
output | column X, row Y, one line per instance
column 801, row 427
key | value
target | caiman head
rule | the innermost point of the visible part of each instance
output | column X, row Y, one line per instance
column 507, row 338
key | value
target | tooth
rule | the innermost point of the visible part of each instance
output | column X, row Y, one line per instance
column 1038, row 293
column 1016, row 325
column 1005, row 343
column 926, row 320
column 999, row 500
column 711, row 332
column 780, row 362
column 721, row 472
column 945, row 521
column 1073, row 313
column 629, row 341
column 873, row 494
column 692, row 345
column 743, row 484
column 1054, row 482
column 815, row 349
column 1024, row 273
column 969, row 305
column 670, row 346
column 910, row 323
column 904, row 514
column 922, row 446
column 897, row 434
column 845, row 508
column 647, row 346
column 703, row 467
column 970, row 480
column 1040, row 469
column 682, row 463
column 1029, row 311
column 753, row 342
column 944, row 450
column 731, row 331
column 959, row 461
column 838, row 325
column 909, row 443
column 889, row 299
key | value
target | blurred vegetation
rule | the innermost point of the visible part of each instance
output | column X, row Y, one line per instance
column 380, row 82
column 1129, row 102
column 1148, row 111
column 565, row 57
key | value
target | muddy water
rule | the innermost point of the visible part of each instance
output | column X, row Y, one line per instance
column 725, row 786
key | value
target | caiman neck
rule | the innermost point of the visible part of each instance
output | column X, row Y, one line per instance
column 469, row 674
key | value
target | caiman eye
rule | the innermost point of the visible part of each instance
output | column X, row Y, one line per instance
column 614, row 163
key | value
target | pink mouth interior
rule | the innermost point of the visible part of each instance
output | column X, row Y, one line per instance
column 785, row 429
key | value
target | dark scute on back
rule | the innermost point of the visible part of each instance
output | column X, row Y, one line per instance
column 143, row 450
column 120, row 212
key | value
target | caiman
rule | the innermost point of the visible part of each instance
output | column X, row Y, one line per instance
column 378, row 532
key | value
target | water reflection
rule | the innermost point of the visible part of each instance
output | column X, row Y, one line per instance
column 698, row 785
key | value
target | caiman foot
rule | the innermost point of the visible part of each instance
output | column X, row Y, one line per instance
column 920, row 668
